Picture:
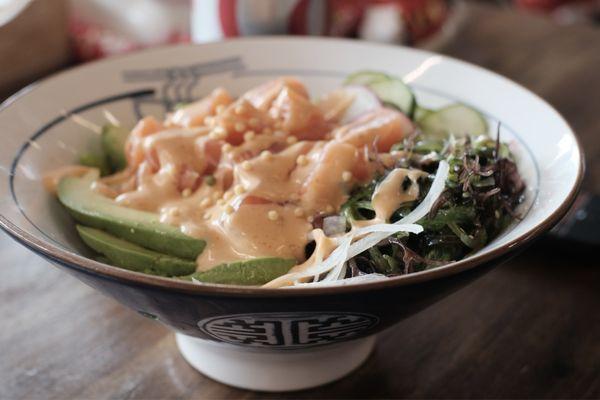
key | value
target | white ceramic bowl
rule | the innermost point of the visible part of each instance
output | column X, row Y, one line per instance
column 36, row 137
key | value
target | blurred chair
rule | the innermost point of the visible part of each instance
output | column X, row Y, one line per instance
column 33, row 43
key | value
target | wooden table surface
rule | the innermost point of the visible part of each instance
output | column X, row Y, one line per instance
column 530, row 328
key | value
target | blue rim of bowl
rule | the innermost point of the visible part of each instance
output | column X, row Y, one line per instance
column 88, row 266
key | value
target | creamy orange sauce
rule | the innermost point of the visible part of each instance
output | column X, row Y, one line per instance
column 324, row 246
column 194, row 114
column 250, row 176
column 51, row 179
column 390, row 194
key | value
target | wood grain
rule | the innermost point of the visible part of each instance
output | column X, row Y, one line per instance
column 529, row 329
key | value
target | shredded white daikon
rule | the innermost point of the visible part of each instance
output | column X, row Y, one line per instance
column 387, row 228
column 337, row 257
column 342, row 282
column 437, row 187
column 336, row 273
column 335, row 264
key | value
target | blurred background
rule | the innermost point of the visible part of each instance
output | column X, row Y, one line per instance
column 42, row 36
column 529, row 329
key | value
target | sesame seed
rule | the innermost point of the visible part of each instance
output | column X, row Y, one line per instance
column 229, row 209
column 218, row 133
column 217, row 195
column 273, row 215
column 329, row 208
column 206, row 215
column 266, row 155
column 220, row 108
column 220, row 202
column 249, row 135
column 298, row 212
column 174, row 212
column 294, row 197
column 254, row 122
column 240, row 127
column 310, row 219
column 186, row 192
column 226, row 148
column 291, row 139
column 246, row 165
column 205, row 202
column 228, row 195
column 279, row 133
column 239, row 189
column 239, row 109
column 346, row 176
column 208, row 120
column 302, row 160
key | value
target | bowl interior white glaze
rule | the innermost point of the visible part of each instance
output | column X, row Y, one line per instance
column 36, row 137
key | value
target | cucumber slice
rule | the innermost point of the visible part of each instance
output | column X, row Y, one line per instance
column 251, row 272
column 129, row 256
column 421, row 112
column 395, row 93
column 365, row 78
column 389, row 89
column 113, row 143
column 456, row 119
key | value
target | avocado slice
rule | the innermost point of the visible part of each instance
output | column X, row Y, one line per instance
column 251, row 272
column 133, row 257
column 102, row 259
column 96, row 160
column 113, row 143
column 140, row 227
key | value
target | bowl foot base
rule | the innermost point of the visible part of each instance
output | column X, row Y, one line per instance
column 274, row 371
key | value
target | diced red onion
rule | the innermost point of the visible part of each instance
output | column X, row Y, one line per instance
column 334, row 225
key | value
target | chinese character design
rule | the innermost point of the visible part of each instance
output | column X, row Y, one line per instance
column 281, row 330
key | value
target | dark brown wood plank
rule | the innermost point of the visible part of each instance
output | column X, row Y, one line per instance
column 530, row 328
column 559, row 63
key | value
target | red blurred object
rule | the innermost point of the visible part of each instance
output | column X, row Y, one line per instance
column 422, row 18
column 394, row 21
column 104, row 27
column 99, row 28
column 91, row 41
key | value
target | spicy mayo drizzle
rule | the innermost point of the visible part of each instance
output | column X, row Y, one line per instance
column 251, row 176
